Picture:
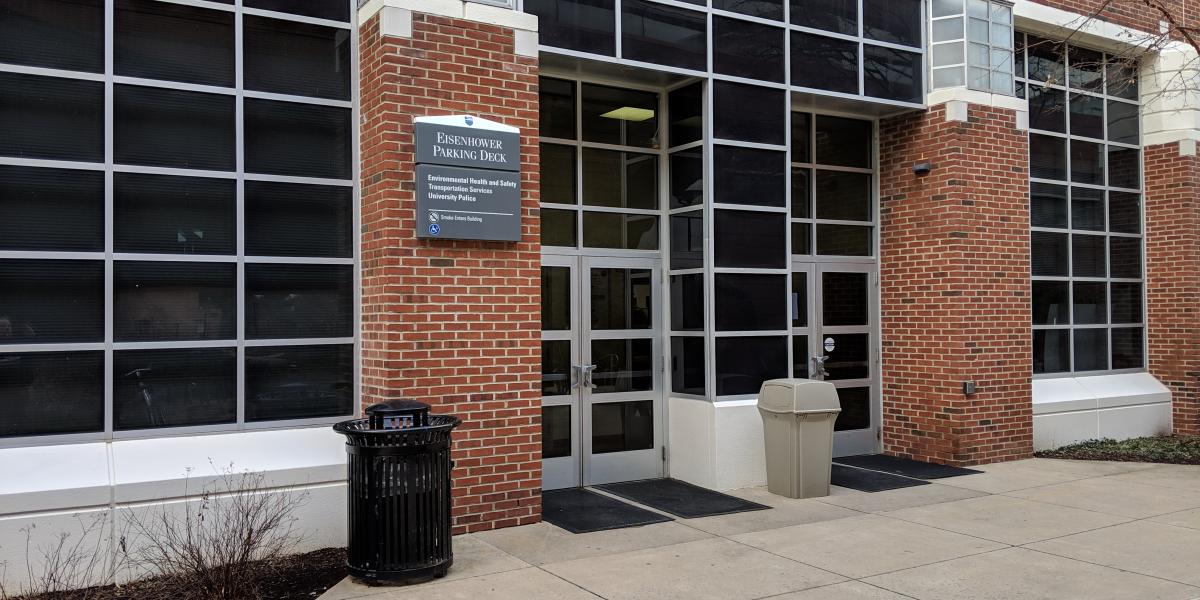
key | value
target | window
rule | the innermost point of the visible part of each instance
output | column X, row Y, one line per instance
column 663, row 35
column 971, row 43
column 1085, row 209
column 163, row 285
column 833, row 199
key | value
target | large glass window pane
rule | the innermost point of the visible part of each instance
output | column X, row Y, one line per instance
column 1090, row 303
column 556, row 367
column 843, row 142
column 584, row 25
column 160, row 214
column 1126, row 302
column 157, row 40
column 174, row 388
column 1091, row 349
column 767, row 9
column 744, row 363
column 746, row 49
column 334, row 10
column 557, row 227
column 1124, row 167
column 1046, row 60
column 801, row 238
column 51, row 209
column 556, row 298
column 686, row 105
column 1125, row 257
column 892, row 74
column 687, row 365
column 1048, row 205
column 623, row 365
column 845, row 298
column 1122, row 77
column 800, row 357
column 1127, row 348
column 622, row 426
column 1124, row 212
column 1087, row 256
column 620, row 179
column 167, row 301
column 1047, row 109
column 557, row 168
column 856, row 409
column 1123, row 122
column 687, row 178
column 556, row 106
column 801, row 137
column 663, row 35
column 1051, row 350
column 51, row 117
column 850, row 357
column 1086, row 69
column 1047, row 157
column 286, row 57
column 299, row 382
column 556, row 431
column 840, row 16
column 620, row 116
column 1049, row 253
column 287, row 138
column 1087, row 209
column 57, row 34
column 45, row 393
column 895, row 21
column 844, row 240
column 621, row 299
column 801, row 193
column 750, row 239
column 749, row 176
column 687, row 302
column 1087, row 116
column 617, row 230
column 299, row 301
column 824, row 63
column 51, row 301
column 1087, row 162
column 174, row 128
column 687, row 240
column 747, row 302
column 292, row 219
column 1051, row 303
column 843, row 196
column 749, row 113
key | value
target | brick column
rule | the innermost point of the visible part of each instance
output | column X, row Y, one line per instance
column 955, row 288
column 453, row 323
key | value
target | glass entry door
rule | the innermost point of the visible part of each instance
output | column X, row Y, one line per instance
column 601, row 370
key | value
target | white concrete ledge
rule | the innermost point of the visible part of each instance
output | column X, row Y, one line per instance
column 457, row 9
column 1074, row 409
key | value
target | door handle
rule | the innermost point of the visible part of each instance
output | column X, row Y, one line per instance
column 586, row 375
column 818, row 364
column 576, row 376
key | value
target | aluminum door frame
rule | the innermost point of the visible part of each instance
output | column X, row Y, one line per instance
column 859, row 441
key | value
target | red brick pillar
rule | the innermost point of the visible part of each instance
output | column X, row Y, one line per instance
column 955, row 287
column 453, row 323
column 1172, row 208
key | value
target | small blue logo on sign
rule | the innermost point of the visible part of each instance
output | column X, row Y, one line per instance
column 434, row 229
column 470, row 120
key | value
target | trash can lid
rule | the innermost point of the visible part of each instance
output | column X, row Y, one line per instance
column 798, row 396
column 397, row 407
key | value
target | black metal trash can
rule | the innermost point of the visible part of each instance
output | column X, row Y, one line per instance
column 399, row 493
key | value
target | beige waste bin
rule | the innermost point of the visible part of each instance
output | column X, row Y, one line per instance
column 798, row 416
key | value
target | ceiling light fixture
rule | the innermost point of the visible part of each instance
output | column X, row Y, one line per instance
column 629, row 113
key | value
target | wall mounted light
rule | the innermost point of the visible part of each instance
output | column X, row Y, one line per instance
column 922, row 168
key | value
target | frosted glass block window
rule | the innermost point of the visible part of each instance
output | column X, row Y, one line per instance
column 971, row 43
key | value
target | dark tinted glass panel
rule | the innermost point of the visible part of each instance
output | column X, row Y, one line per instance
column 1086, row 69
column 749, row 113
column 1087, row 256
column 687, row 240
column 335, row 10
column 844, row 298
column 801, row 137
column 173, row 128
column 687, row 302
column 1090, row 303
column 687, row 365
column 621, row 298
column 750, row 239
column 687, row 178
column 1048, row 205
column 1087, row 116
column 556, row 298
column 892, row 74
column 1091, row 349
column 1087, row 162
column 299, row 382
column 799, row 299
column 831, row 15
column 1049, row 253
column 166, row 301
column 801, row 193
column 1087, row 209
column 751, row 302
column 1127, row 348
column 1125, row 257
column 299, row 301
column 620, row 116
column 556, row 431
column 51, row 301
column 556, row 368
column 800, row 358
column 844, row 240
column 174, row 388
column 843, row 142
column 1019, row 58
column 584, row 25
column 686, row 105
column 161, row 214
column 620, row 179
column 286, row 138
column 157, row 40
column 824, row 63
column 622, row 365
column 1051, row 300
column 49, row 117
column 1047, row 109
column 1047, row 157
column 622, row 426
column 744, row 363
column 850, row 357
column 556, row 105
column 51, row 209
column 1126, row 302
column 291, row 219
column 896, row 21
column 286, row 57
column 59, row 34
column 1046, row 60
column 856, row 409
column 663, row 35
column 1124, row 168
column 745, row 49
column 767, row 9
column 557, row 165
column 1122, row 76
column 557, row 227
column 613, row 230
column 43, row 393
column 749, row 176
column 1122, row 122
column 802, row 238
column 843, row 196
column 1051, row 351
column 1124, row 212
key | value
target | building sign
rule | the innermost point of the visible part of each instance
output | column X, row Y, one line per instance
column 468, row 179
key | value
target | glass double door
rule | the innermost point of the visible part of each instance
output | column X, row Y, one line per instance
column 601, row 370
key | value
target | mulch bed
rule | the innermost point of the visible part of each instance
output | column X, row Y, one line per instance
column 1172, row 449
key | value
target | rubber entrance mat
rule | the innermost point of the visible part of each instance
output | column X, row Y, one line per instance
column 679, row 498
column 903, row 466
column 580, row 511
column 864, row 480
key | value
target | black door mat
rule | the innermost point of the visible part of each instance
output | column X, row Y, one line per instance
column 582, row 511
column 903, row 466
column 680, row 498
column 869, row 481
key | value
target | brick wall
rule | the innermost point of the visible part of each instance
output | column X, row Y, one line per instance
column 954, row 274
column 455, row 324
column 1172, row 206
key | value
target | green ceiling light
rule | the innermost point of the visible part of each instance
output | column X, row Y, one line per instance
column 629, row 113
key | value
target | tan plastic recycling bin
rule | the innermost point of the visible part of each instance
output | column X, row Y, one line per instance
column 798, row 416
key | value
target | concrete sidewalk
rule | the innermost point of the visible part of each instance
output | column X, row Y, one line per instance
column 1032, row 529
